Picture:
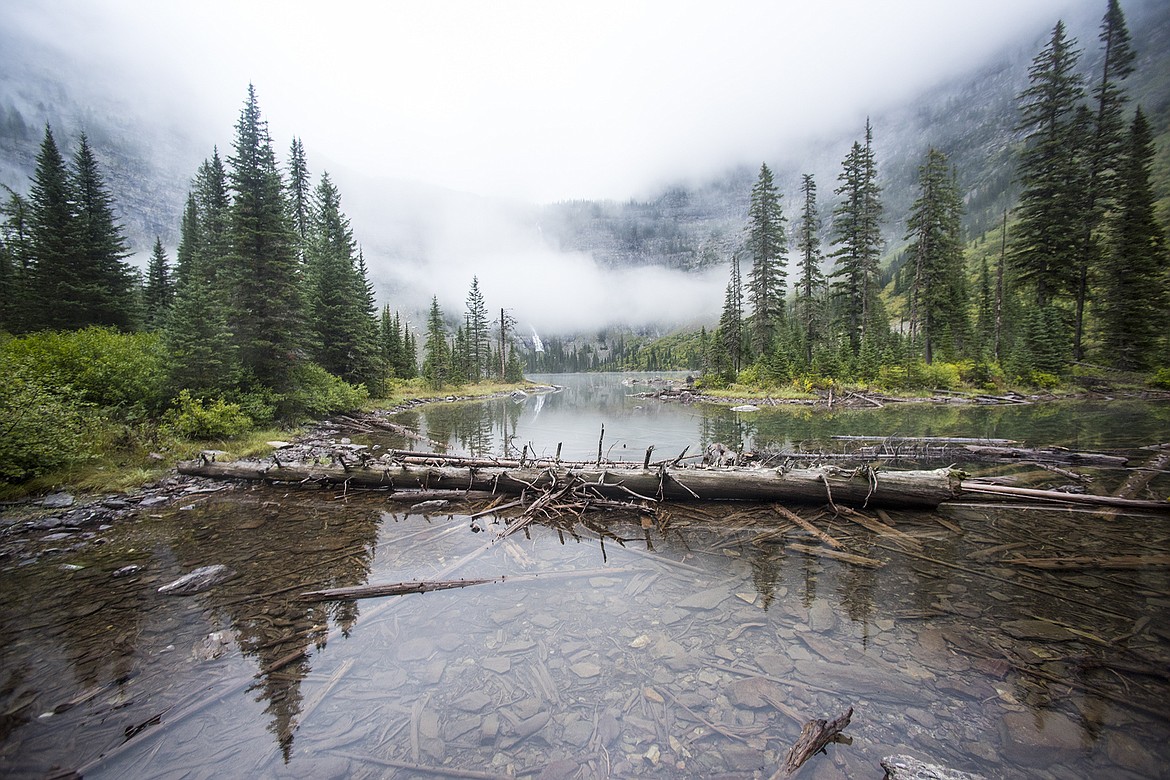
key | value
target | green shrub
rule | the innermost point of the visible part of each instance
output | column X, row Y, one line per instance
column 42, row 427
column 319, row 394
column 113, row 370
column 195, row 418
column 1161, row 378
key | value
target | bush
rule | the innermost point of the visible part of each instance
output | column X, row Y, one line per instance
column 42, row 427
column 123, row 371
column 319, row 394
column 194, row 418
column 1161, row 378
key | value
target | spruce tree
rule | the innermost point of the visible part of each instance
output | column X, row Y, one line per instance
column 159, row 292
column 15, row 259
column 768, row 246
column 478, row 334
column 1134, row 300
column 857, row 234
column 104, row 283
column 1105, row 153
column 1052, row 207
column 437, row 361
column 213, row 200
column 300, row 203
column 266, row 309
column 53, row 289
column 337, row 297
column 730, row 336
column 811, row 283
column 938, row 295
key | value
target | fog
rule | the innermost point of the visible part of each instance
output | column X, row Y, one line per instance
column 444, row 123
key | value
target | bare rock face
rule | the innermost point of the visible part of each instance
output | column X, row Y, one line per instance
column 201, row 579
column 910, row 768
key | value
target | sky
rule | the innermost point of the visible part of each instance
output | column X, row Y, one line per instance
column 532, row 101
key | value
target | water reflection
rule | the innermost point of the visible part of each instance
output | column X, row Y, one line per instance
column 574, row 416
column 686, row 644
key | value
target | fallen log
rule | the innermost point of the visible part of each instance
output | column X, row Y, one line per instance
column 859, row 487
column 1068, row 498
column 393, row 589
column 815, row 735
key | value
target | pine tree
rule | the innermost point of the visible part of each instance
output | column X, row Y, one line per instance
column 213, row 201
column 1052, row 206
column 337, row 302
column 730, row 335
column 478, row 335
column 938, row 295
column 767, row 244
column 1104, row 155
column 810, row 285
column 159, row 293
column 1134, row 300
column 52, row 287
column 15, row 259
column 437, row 361
column 857, row 234
column 300, row 203
column 266, row 311
column 104, row 282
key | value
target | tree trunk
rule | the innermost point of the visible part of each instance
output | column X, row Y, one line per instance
column 857, row 487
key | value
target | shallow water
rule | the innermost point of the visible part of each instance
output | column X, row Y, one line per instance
column 689, row 644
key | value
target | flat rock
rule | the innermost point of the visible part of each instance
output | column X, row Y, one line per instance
column 754, row 693
column 498, row 663
column 203, row 578
column 705, row 599
column 416, row 649
column 585, row 669
column 473, row 701
column 909, row 768
column 57, row 501
column 1038, row 739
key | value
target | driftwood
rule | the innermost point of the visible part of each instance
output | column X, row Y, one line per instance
column 1072, row 562
column 1069, row 498
column 394, row 589
column 815, row 485
column 813, row 737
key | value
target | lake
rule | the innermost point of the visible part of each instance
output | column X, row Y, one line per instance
column 689, row 643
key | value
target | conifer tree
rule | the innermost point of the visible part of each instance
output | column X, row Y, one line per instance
column 300, row 204
column 52, row 287
column 1134, row 301
column 436, row 364
column 337, row 297
column 1052, row 207
column 15, row 258
column 730, row 336
column 811, row 283
column 1104, row 154
column 857, row 234
column 213, row 201
column 266, row 310
column 478, row 335
column 104, row 282
column 159, row 292
column 768, row 246
column 938, row 295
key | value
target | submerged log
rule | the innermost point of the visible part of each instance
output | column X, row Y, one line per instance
column 815, row 735
column 860, row 487
column 1068, row 498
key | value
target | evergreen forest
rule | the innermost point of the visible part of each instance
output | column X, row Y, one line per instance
column 267, row 315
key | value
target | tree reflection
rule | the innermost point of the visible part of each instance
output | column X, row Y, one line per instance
column 276, row 627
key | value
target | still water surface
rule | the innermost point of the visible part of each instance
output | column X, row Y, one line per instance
column 694, row 647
